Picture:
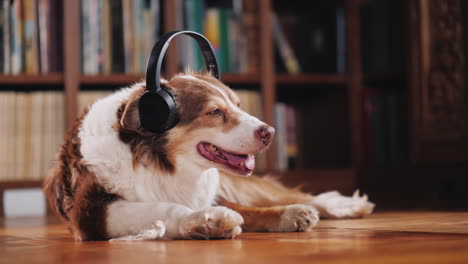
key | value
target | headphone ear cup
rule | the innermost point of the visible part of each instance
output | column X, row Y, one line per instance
column 157, row 111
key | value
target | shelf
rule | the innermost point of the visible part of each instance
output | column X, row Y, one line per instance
column 312, row 79
column 20, row 79
column 238, row 78
column 382, row 76
column 123, row 79
column 20, row 184
column 111, row 79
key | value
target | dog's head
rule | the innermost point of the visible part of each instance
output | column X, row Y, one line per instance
column 212, row 130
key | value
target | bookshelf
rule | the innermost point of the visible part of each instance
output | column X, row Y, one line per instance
column 266, row 79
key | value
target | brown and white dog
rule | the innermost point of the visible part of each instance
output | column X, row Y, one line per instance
column 113, row 179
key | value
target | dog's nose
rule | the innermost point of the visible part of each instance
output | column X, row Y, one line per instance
column 265, row 134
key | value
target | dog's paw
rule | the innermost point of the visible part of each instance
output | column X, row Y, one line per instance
column 334, row 205
column 298, row 218
column 212, row 223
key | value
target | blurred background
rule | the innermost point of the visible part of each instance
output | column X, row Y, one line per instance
column 364, row 94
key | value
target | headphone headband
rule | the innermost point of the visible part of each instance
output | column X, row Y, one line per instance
column 153, row 68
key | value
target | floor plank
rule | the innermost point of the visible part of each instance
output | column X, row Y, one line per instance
column 393, row 237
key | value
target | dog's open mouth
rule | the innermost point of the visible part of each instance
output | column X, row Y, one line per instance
column 242, row 164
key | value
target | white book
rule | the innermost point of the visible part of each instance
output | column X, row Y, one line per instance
column 48, row 130
column 281, row 132
column 59, row 132
column 37, row 121
column 3, row 137
column 20, row 134
column 26, row 140
column 11, row 135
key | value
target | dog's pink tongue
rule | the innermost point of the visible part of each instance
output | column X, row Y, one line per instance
column 235, row 160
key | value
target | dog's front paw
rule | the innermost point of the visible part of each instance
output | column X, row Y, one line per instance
column 297, row 218
column 212, row 223
column 334, row 205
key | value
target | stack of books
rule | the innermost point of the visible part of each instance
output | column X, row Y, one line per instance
column 117, row 35
column 231, row 29
column 31, row 36
column 32, row 125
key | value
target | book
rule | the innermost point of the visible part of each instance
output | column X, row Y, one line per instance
column 55, row 55
column 37, row 143
column 128, row 34
column 106, row 37
column 2, row 26
column 288, row 57
column 194, row 20
column 17, row 42
column 117, row 37
column 224, row 16
column 238, row 41
column 43, row 14
column 86, row 47
column 250, row 25
column 6, row 21
column 340, row 40
column 212, row 29
column 281, row 136
column 31, row 37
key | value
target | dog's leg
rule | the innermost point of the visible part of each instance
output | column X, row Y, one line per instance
column 267, row 192
column 291, row 218
column 133, row 220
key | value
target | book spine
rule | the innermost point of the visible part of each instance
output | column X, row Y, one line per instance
column 340, row 41
column 212, row 29
column 250, row 24
column 2, row 51
column 31, row 37
column 44, row 24
column 18, row 41
column 106, row 37
column 99, row 36
column 85, row 38
column 6, row 37
column 128, row 34
column 224, row 43
column 117, row 40
column 138, row 23
column 55, row 29
column 285, row 50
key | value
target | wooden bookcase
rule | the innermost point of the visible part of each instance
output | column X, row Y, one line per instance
column 342, row 178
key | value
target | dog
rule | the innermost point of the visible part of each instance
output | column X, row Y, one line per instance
column 114, row 180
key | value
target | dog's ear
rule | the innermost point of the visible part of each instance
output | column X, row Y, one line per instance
column 131, row 117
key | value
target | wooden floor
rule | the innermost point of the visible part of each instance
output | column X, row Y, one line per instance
column 392, row 237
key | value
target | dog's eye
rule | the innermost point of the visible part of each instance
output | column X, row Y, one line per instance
column 215, row 112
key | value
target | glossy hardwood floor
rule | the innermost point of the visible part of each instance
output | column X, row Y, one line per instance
column 392, row 237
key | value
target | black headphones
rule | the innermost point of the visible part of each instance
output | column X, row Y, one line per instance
column 157, row 107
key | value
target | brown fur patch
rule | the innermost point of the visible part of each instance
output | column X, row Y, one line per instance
column 74, row 193
column 258, row 219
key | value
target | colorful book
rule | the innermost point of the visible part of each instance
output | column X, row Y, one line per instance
column 212, row 29
column 31, row 37
column 17, row 43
